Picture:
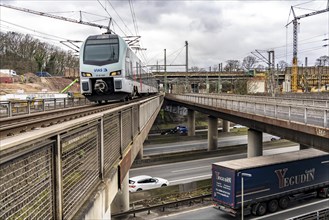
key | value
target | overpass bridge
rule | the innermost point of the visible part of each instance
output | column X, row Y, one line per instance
column 79, row 169
column 305, row 121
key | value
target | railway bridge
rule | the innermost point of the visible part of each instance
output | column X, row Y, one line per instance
column 79, row 169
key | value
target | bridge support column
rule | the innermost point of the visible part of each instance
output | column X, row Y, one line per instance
column 212, row 133
column 121, row 200
column 226, row 126
column 255, row 143
column 191, row 122
column 140, row 154
column 303, row 147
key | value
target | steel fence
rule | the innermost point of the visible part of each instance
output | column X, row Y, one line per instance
column 26, row 183
column 53, row 176
column 112, row 142
column 22, row 107
column 80, row 166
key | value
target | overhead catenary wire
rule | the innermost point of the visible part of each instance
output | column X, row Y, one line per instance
column 111, row 17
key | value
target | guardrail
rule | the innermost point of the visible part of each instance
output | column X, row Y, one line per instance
column 321, row 214
column 50, row 174
column 300, row 114
column 162, row 206
column 21, row 107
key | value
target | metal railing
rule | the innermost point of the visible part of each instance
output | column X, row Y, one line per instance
column 300, row 101
column 14, row 108
column 321, row 214
column 51, row 174
column 317, row 116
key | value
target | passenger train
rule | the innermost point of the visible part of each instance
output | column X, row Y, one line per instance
column 110, row 70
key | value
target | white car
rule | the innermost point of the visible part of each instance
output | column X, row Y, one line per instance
column 239, row 126
column 145, row 182
column 275, row 138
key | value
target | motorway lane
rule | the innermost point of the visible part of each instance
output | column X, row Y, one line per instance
column 210, row 213
column 189, row 171
column 153, row 149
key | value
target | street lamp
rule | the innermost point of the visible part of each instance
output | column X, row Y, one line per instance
column 242, row 186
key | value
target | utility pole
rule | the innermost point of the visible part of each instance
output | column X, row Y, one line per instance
column 165, row 71
column 271, row 71
column 186, row 45
column 186, row 77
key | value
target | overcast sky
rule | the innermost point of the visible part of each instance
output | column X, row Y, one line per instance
column 216, row 31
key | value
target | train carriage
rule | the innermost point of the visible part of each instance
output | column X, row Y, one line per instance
column 110, row 70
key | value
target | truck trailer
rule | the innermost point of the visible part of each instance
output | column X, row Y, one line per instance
column 267, row 183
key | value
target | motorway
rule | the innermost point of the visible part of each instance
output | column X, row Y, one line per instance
column 209, row 213
column 197, row 145
column 189, row 171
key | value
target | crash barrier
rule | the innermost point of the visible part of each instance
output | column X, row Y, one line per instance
column 50, row 173
column 164, row 192
column 321, row 214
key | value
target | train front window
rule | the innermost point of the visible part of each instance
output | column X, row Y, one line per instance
column 101, row 51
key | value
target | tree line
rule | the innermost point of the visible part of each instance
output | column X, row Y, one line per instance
column 251, row 63
column 23, row 53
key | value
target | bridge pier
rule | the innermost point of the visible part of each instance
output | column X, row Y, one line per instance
column 191, row 122
column 303, row 147
column 255, row 143
column 140, row 153
column 212, row 133
column 121, row 200
column 226, row 125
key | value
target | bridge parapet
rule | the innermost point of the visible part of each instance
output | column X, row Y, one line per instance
column 308, row 112
column 52, row 173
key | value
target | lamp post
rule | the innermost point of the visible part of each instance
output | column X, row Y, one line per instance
column 242, row 186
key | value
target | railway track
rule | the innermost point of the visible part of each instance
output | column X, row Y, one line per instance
column 20, row 124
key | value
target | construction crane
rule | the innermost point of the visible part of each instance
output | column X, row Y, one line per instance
column 294, row 59
column 60, row 17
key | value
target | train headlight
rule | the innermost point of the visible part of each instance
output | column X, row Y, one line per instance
column 86, row 74
column 115, row 73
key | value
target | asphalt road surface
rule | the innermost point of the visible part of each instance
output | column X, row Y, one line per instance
column 209, row 213
column 189, row 171
column 153, row 149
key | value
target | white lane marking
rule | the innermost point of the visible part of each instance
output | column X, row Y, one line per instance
column 194, row 168
column 288, row 210
column 190, row 178
column 186, row 162
column 181, row 213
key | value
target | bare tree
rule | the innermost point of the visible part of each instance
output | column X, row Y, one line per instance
column 322, row 61
column 27, row 54
column 232, row 65
column 282, row 65
column 249, row 62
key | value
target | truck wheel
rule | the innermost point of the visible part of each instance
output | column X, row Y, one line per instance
column 284, row 202
column 261, row 209
column 272, row 205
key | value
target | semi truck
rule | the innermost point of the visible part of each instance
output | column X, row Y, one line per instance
column 264, row 184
